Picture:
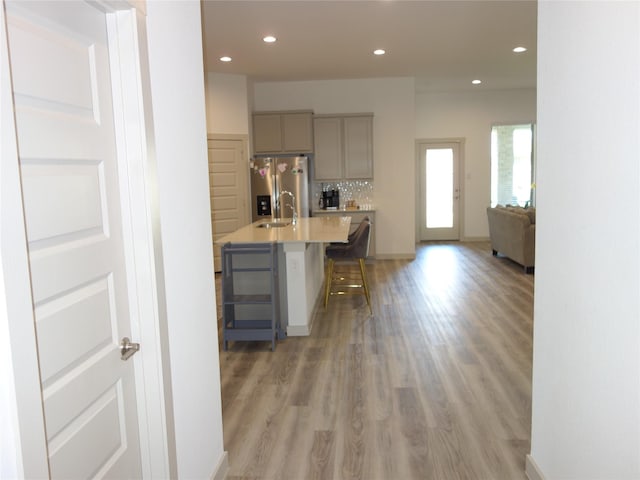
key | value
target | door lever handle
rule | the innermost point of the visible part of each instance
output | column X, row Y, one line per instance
column 128, row 348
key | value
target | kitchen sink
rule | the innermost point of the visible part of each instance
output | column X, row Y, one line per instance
column 273, row 224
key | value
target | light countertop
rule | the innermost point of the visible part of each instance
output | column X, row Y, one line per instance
column 308, row 230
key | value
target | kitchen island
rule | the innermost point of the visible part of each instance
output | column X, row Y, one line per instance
column 300, row 262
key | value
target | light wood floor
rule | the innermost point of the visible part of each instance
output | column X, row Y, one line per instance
column 435, row 385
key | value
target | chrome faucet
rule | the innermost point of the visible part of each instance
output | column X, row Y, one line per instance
column 292, row 206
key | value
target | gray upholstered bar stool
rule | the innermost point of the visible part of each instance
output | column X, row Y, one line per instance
column 356, row 249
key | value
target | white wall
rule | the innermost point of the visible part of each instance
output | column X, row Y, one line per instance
column 586, row 358
column 227, row 104
column 392, row 102
column 177, row 84
column 470, row 115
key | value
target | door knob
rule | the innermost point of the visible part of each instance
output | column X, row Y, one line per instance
column 128, row 348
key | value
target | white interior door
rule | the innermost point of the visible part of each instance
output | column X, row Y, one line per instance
column 65, row 133
column 439, row 166
column 228, row 169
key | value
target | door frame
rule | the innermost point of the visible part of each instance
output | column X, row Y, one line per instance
column 460, row 141
column 22, row 401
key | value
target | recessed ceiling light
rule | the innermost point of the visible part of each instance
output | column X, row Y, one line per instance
column 379, row 51
column 269, row 39
column 476, row 82
column 225, row 59
column 519, row 49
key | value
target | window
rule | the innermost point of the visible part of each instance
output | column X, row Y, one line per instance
column 512, row 165
column 439, row 186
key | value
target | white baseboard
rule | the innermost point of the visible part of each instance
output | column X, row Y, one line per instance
column 396, row 256
column 475, row 239
column 298, row 330
column 222, row 469
column 532, row 470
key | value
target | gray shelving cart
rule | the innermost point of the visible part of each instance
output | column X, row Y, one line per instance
column 250, row 293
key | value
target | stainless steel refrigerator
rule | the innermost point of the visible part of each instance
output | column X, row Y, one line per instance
column 270, row 176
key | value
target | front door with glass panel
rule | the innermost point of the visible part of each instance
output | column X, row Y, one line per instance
column 439, row 191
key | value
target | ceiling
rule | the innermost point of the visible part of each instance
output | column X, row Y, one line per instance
column 443, row 44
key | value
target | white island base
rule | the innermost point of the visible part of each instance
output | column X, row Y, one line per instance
column 304, row 266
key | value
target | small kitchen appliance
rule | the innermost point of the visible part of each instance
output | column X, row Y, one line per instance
column 330, row 199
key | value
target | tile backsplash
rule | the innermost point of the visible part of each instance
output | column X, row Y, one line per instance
column 361, row 191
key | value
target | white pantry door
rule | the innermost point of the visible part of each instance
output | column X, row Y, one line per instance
column 228, row 171
column 59, row 62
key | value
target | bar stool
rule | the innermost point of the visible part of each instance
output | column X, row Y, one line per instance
column 356, row 249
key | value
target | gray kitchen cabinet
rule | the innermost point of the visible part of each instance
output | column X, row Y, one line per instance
column 328, row 159
column 283, row 132
column 358, row 147
column 343, row 147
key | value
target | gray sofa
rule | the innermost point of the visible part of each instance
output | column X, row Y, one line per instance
column 513, row 234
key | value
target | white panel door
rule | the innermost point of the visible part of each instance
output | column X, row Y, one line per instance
column 65, row 127
column 228, row 170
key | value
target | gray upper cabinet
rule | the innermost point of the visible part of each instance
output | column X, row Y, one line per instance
column 283, row 132
column 327, row 132
column 358, row 147
column 344, row 147
column 267, row 133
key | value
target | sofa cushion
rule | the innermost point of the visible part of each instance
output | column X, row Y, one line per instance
column 531, row 212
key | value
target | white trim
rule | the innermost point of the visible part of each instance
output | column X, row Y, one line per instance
column 20, row 379
column 396, row 256
column 475, row 239
column 222, row 469
column 10, row 454
column 531, row 469
column 459, row 144
column 298, row 331
column 134, row 134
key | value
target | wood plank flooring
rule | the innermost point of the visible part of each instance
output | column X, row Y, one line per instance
column 435, row 385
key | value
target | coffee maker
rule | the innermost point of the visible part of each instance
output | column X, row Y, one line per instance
column 330, row 199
